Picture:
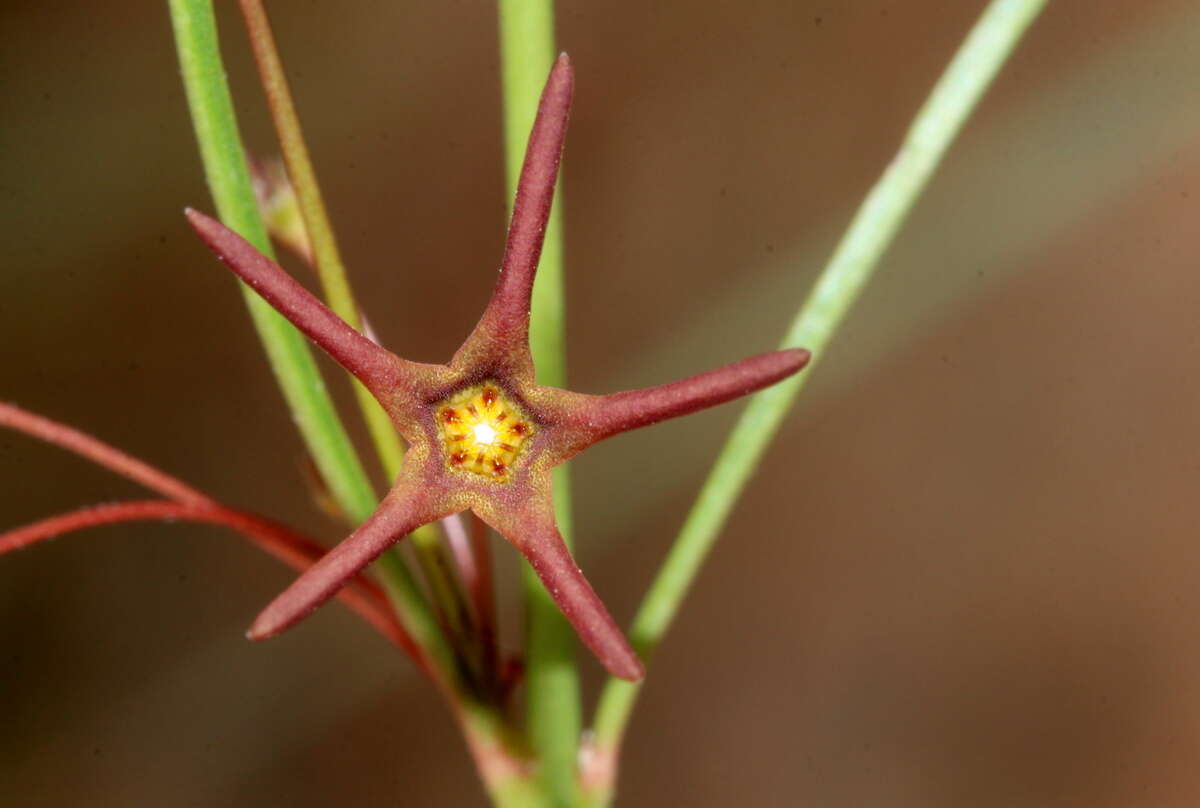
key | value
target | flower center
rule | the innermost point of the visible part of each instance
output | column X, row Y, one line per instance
column 485, row 434
column 482, row 432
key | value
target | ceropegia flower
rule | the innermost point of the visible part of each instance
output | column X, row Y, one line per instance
column 482, row 434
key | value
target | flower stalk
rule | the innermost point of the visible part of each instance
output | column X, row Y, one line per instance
column 553, row 707
column 956, row 94
column 233, row 194
column 183, row 503
column 327, row 258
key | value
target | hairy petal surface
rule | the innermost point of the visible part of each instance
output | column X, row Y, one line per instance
column 531, row 530
column 443, row 471
column 402, row 511
column 501, row 338
column 384, row 374
column 588, row 419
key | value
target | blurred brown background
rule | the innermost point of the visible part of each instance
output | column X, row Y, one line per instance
column 966, row 576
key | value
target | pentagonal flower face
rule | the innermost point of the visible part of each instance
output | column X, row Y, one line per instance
column 482, row 432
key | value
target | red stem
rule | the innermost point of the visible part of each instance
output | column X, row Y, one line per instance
column 483, row 595
column 189, row 504
column 295, row 550
column 101, row 454
column 460, row 546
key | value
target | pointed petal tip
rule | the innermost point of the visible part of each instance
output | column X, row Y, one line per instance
column 799, row 357
column 291, row 606
column 631, row 669
column 206, row 226
column 562, row 71
column 262, row 628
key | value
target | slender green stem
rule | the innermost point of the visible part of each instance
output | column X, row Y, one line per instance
column 335, row 284
column 880, row 216
column 229, row 181
column 527, row 51
column 515, row 792
column 328, row 260
column 499, row 755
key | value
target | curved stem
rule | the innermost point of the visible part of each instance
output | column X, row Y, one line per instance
column 880, row 216
column 100, row 453
column 327, row 258
column 553, row 708
column 229, row 181
column 279, row 541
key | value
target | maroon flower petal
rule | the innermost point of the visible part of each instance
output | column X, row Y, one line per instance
column 384, row 374
column 402, row 511
column 501, row 337
column 533, row 532
column 593, row 418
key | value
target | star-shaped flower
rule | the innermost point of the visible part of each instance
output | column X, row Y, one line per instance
column 482, row 434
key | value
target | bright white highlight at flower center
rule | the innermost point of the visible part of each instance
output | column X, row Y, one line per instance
column 484, row 434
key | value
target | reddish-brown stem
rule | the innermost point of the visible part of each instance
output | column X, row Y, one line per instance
column 501, row 337
column 100, row 453
column 483, row 596
column 280, row 541
column 472, row 557
column 455, row 530
column 483, row 589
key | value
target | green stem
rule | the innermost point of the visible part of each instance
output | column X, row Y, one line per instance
column 515, row 792
column 553, row 709
column 878, row 219
column 288, row 352
column 498, row 754
column 335, row 283
column 226, row 169
column 229, row 181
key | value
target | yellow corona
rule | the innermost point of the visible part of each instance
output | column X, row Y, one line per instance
column 482, row 432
